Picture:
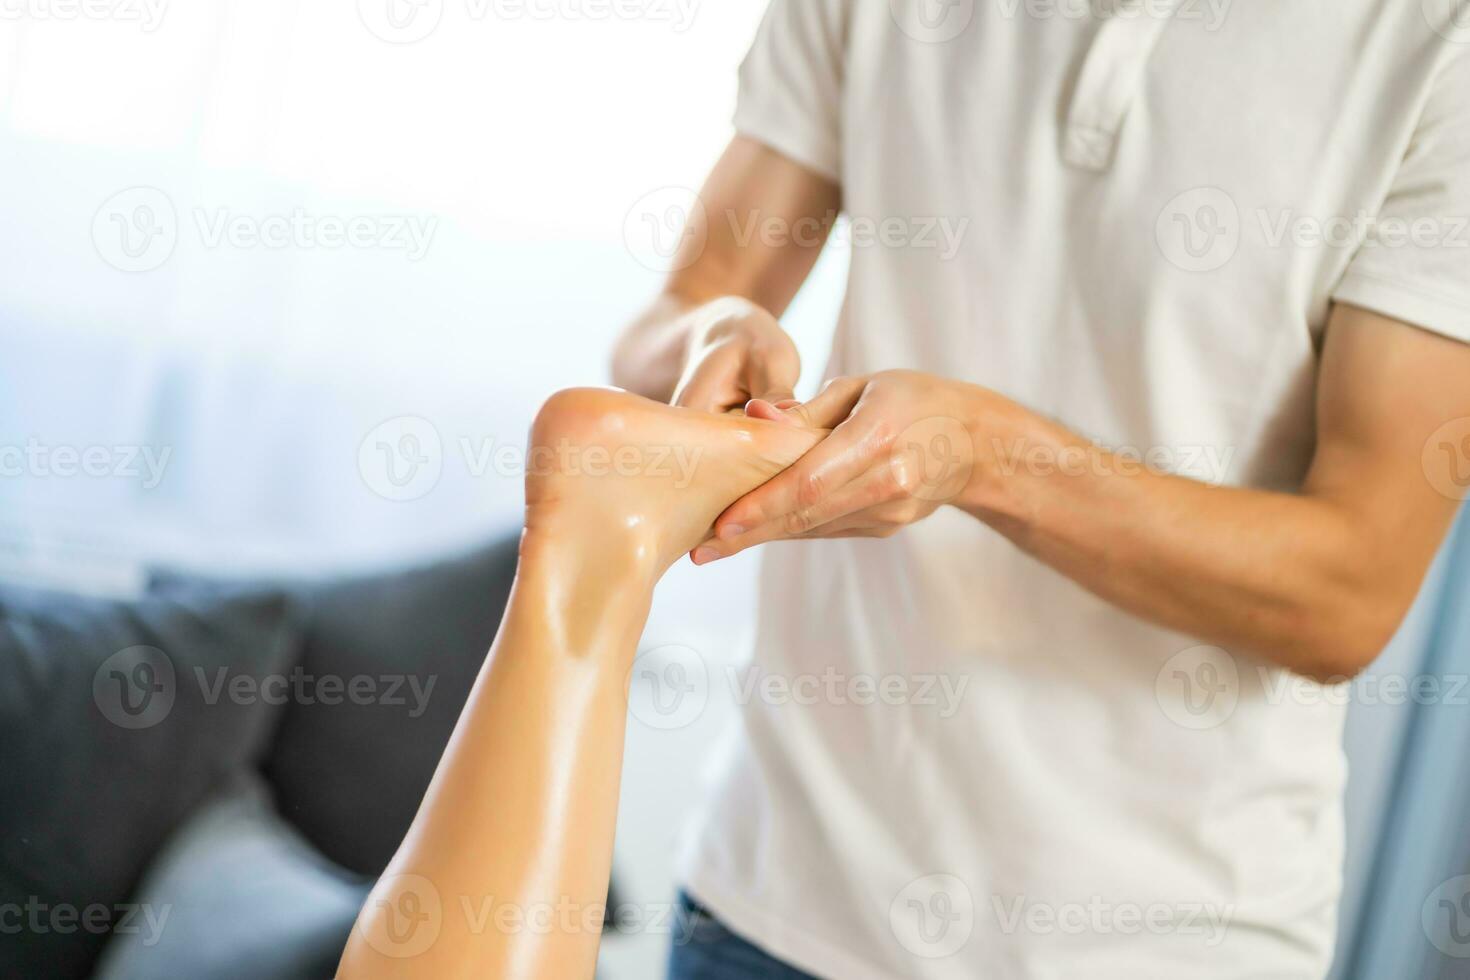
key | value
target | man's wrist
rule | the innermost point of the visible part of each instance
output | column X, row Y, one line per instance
column 1018, row 458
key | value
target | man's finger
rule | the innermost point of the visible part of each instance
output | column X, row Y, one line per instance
column 710, row 385
column 775, row 509
column 867, row 488
column 835, row 403
column 772, row 377
column 759, row 408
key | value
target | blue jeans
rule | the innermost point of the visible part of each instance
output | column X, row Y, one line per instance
column 704, row 949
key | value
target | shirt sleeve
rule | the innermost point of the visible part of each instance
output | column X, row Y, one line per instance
column 1415, row 267
column 791, row 83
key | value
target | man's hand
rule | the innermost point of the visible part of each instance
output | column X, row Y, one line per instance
column 715, row 350
column 1315, row 580
column 737, row 351
column 901, row 446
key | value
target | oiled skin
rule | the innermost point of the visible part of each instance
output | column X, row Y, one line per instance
column 505, row 869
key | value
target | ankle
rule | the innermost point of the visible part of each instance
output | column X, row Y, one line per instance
column 563, row 537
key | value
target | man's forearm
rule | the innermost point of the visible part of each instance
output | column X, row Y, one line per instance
column 1307, row 581
column 649, row 355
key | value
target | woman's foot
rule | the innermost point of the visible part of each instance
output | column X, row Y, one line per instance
column 643, row 478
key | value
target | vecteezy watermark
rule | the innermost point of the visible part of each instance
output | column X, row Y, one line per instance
column 1445, row 917
column 941, row 692
column 137, row 688
column 934, row 458
column 300, row 687
column 1201, row 687
column 404, row 916
column 300, row 229
column 407, row 913
column 147, row 14
column 1446, row 459
column 939, row 234
column 35, row 916
column 138, row 230
column 667, row 229
column 668, row 687
column 1361, row 230
column 1449, row 18
column 569, row 917
column 408, row 21
column 1198, row 688
column 1210, row 13
column 1199, row 230
column 933, row 917
column 1100, row 917
column 40, row 460
column 1392, row 689
column 403, row 459
column 1207, row 464
column 932, row 21
column 1202, row 230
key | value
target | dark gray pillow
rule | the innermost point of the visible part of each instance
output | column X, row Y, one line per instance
column 351, row 774
column 387, row 664
column 114, row 724
column 237, row 894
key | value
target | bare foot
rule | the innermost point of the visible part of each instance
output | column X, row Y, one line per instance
column 632, row 473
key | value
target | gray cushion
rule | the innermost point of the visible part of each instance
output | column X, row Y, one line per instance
column 237, row 895
column 349, row 774
column 112, row 730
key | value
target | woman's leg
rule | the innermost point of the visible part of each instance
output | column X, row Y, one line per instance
column 505, row 869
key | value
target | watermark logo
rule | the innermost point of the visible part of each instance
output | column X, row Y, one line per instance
column 1210, row 13
column 400, row 21
column 37, row 917
column 1207, row 464
column 136, row 230
column 940, row 234
column 135, row 687
column 408, row 691
column 147, row 14
column 1099, row 917
column 1450, row 19
column 409, row 21
column 1445, row 916
column 1395, row 689
column 668, row 687
column 942, row 693
column 409, row 916
column 1198, row 688
column 1446, row 459
column 933, row 916
column 666, row 230
column 1199, row 230
column 44, row 461
column 934, row 458
column 932, row 21
column 1202, row 229
column 302, row 230
column 401, row 459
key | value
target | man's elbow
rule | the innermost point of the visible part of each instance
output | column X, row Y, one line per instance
column 1350, row 631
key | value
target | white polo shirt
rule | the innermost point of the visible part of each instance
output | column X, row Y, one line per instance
column 1001, row 776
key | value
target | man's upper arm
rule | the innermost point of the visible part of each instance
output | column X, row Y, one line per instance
column 761, row 224
column 769, row 205
column 1393, row 436
column 1393, row 427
